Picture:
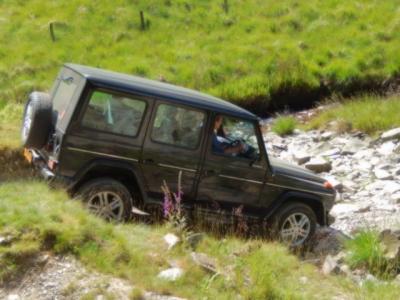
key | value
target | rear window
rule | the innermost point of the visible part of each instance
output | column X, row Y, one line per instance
column 114, row 113
column 63, row 96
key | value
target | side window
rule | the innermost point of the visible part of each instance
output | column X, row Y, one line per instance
column 114, row 113
column 177, row 126
column 235, row 137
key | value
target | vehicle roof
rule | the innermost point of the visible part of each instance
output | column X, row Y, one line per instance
column 160, row 89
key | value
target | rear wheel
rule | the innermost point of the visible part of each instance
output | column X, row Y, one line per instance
column 107, row 198
column 37, row 116
column 294, row 224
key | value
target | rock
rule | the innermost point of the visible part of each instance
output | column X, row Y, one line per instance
column 194, row 239
column 171, row 274
column 328, row 241
column 13, row 297
column 330, row 266
column 331, row 152
column 318, row 165
column 382, row 174
column 364, row 209
column 301, row 157
column 354, row 146
column 303, row 280
column 327, row 135
column 390, row 243
column 391, row 134
column 345, row 269
column 207, row 263
column 387, row 148
column 391, row 187
column 6, row 240
column 370, row 277
column 171, row 239
column 395, row 198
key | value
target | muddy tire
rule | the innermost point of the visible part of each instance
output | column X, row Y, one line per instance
column 107, row 198
column 294, row 224
column 36, row 124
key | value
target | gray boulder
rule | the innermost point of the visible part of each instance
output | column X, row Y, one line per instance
column 391, row 134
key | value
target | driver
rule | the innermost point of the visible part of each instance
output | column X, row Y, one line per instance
column 221, row 147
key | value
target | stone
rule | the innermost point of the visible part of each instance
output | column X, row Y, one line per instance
column 171, row 274
column 318, row 165
column 395, row 198
column 303, row 280
column 171, row 240
column 391, row 187
column 301, row 157
column 353, row 146
column 13, row 297
column 204, row 261
column 331, row 152
column 382, row 174
column 194, row 239
column 327, row 135
column 387, row 148
column 6, row 240
column 391, row 134
column 330, row 266
column 390, row 243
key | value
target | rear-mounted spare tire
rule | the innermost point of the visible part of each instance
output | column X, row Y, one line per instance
column 36, row 124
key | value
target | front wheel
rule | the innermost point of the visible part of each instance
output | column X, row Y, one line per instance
column 294, row 224
column 107, row 198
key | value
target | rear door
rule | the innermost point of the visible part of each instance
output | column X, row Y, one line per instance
column 172, row 144
column 110, row 125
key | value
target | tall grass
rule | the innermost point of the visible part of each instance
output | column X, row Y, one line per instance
column 371, row 114
column 366, row 251
column 257, row 51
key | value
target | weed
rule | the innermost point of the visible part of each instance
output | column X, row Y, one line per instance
column 284, row 125
column 366, row 251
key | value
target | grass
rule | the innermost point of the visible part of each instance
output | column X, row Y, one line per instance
column 366, row 251
column 284, row 125
column 256, row 52
column 41, row 219
column 370, row 114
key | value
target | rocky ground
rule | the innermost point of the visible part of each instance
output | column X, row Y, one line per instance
column 63, row 277
column 364, row 171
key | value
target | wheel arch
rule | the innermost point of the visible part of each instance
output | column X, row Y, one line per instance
column 313, row 201
column 120, row 171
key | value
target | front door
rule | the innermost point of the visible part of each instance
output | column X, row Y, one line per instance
column 234, row 167
column 173, row 145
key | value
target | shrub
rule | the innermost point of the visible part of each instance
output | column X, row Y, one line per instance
column 367, row 251
column 284, row 125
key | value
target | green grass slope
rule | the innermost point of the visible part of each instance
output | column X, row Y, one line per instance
column 40, row 219
column 253, row 52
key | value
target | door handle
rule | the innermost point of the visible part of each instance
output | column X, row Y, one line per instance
column 148, row 161
column 209, row 172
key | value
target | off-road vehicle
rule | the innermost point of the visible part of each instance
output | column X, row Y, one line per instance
column 114, row 138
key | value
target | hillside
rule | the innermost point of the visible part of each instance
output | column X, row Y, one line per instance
column 249, row 52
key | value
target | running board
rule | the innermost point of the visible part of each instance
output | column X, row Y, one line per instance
column 139, row 212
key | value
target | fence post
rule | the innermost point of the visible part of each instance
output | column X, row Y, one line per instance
column 226, row 6
column 51, row 29
column 142, row 23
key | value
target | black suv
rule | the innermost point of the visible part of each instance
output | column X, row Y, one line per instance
column 114, row 138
